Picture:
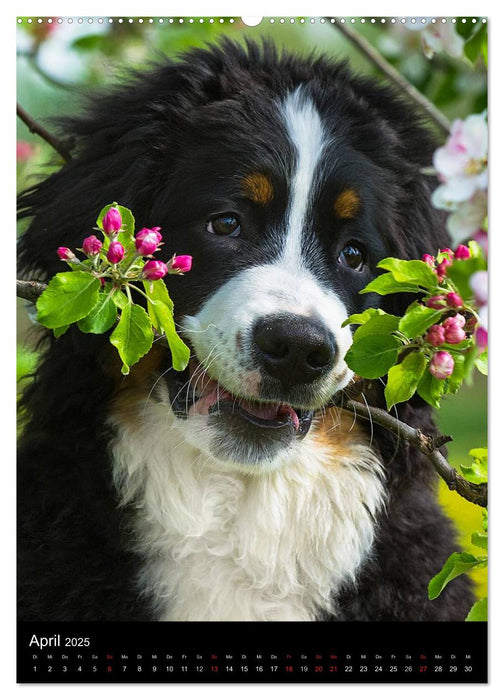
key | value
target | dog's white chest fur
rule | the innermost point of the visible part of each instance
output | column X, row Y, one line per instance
column 221, row 545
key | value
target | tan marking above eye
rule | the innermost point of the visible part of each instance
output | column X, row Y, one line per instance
column 258, row 188
column 346, row 205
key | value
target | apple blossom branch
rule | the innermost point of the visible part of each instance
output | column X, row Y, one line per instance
column 394, row 76
column 428, row 445
column 36, row 128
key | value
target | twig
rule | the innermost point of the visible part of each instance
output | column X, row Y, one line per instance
column 429, row 446
column 394, row 76
column 29, row 290
column 36, row 128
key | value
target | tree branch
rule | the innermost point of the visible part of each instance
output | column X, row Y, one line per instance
column 38, row 129
column 428, row 445
column 29, row 290
column 394, row 76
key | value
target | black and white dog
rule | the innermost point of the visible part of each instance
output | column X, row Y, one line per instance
column 234, row 491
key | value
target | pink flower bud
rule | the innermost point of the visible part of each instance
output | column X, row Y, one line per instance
column 112, row 221
column 435, row 335
column 436, row 302
column 441, row 270
column 115, row 252
column 182, row 263
column 454, row 300
column 154, row 270
column 91, row 246
column 449, row 254
column 66, row 254
column 481, row 338
column 429, row 260
column 462, row 252
column 147, row 241
column 453, row 329
column 441, row 366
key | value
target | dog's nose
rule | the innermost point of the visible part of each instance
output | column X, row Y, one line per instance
column 294, row 349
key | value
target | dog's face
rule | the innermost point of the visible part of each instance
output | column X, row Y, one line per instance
column 284, row 234
column 287, row 180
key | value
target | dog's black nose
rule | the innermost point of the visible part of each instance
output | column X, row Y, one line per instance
column 294, row 349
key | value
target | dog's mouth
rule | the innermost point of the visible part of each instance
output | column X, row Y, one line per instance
column 197, row 393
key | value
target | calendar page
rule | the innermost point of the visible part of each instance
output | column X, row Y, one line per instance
column 252, row 349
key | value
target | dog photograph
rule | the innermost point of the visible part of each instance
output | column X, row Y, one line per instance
column 270, row 170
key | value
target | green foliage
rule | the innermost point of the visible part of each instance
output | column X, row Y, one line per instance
column 401, row 346
column 69, row 297
column 132, row 336
column 460, row 563
column 97, row 295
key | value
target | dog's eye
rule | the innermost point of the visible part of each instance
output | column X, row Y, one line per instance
column 227, row 224
column 351, row 256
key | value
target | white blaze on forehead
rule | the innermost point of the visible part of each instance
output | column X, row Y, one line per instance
column 306, row 132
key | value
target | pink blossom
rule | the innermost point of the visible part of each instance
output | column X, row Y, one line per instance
column 147, row 241
column 462, row 252
column 115, row 252
column 182, row 263
column 461, row 163
column 112, row 221
column 466, row 217
column 155, row 270
column 155, row 230
column 24, row 151
column 436, row 302
column 441, row 365
column 429, row 260
column 454, row 333
column 435, row 335
column 454, row 300
column 438, row 36
column 91, row 246
column 482, row 329
column 479, row 286
column 66, row 254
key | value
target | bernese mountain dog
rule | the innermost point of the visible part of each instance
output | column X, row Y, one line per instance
column 238, row 489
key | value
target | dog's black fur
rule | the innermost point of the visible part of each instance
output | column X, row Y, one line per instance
column 154, row 146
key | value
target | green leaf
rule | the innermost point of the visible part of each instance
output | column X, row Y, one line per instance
column 157, row 291
column 133, row 335
column 403, row 379
column 386, row 284
column 127, row 234
column 378, row 324
column 101, row 318
column 477, row 44
column 457, row 564
column 480, row 539
column 415, row 272
column 454, row 381
column 485, row 520
column 179, row 351
column 373, row 355
column 481, row 363
column 69, row 296
column 479, row 611
column 119, row 298
column 57, row 332
column 431, row 389
column 418, row 319
column 363, row 317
